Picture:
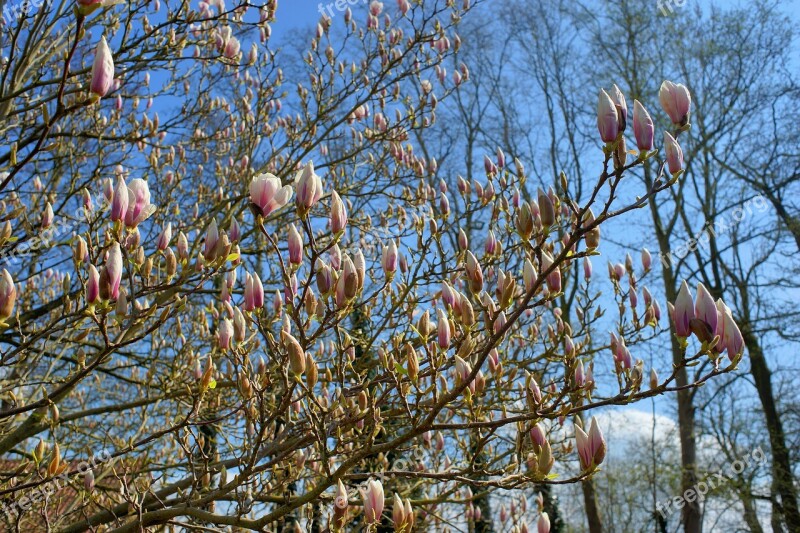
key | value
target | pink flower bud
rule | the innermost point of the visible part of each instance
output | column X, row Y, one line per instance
column 474, row 273
column 47, row 216
column 119, row 203
column 733, row 340
column 225, row 334
column 373, row 501
column 308, row 186
column 338, row 214
column 113, row 270
column 676, row 101
column 554, row 277
column 643, row 127
column 537, row 435
column 8, row 295
column 443, row 329
column 102, row 69
column 705, row 308
column 543, row 525
column 295, row 246
column 684, row 311
column 674, row 153
column 587, row 268
column 389, row 258
column 212, row 237
column 164, row 238
column 92, row 285
column 607, row 119
column 621, row 106
column 463, row 242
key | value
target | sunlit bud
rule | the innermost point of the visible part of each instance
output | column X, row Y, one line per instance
column 80, row 251
column 676, row 101
column 621, row 105
column 474, row 273
column 537, row 435
column 617, row 271
column 102, row 69
column 444, row 205
column 580, row 376
column 182, row 246
column 554, row 277
column 361, row 267
column 239, row 325
column 119, row 204
column 92, row 285
column 297, row 357
column 525, row 220
column 643, row 127
column 463, row 242
column 267, row 195
column 324, row 278
column 212, row 237
column 647, row 259
column 113, row 272
column 234, row 232
column 389, row 259
column 295, row 246
column 684, row 311
column 501, row 158
column 705, row 308
column 348, row 278
column 47, row 216
column 88, row 480
column 121, row 308
column 340, row 504
column 443, row 329
column 8, row 295
column 546, row 209
column 463, row 186
column 467, row 313
column 543, row 525
column 398, row 514
column 536, row 392
column 529, row 275
column 607, row 118
column 164, row 237
column 338, row 214
column 373, row 500
column 225, row 334
column 587, row 268
column 491, row 246
column 489, row 166
column 308, row 187
column 733, row 339
column 591, row 447
column 653, row 378
column 674, row 153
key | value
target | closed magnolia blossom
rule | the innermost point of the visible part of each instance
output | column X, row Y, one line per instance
column 308, row 188
column 389, row 258
column 643, row 128
column 591, row 446
column 119, row 201
column 543, row 525
column 676, row 101
column 113, row 270
column 8, row 295
column 295, row 245
column 673, row 153
column 607, row 119
column 102, row 69
column 683, row 311
column 92, row 285
column 267, row 195
column 338, row 214
column 373, row 501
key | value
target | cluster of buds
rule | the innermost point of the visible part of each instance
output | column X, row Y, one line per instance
column 540, row 460
column 612, row 113
column 130, row 202
column 711, row 322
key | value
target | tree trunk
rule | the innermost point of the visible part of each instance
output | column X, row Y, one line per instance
column 592, row 511
column 781, row 463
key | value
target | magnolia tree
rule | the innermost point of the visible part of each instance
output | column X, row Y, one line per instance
column 235, row 298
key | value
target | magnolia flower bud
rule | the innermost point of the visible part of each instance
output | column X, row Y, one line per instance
column 8, row 295
column 643, row 128
column 674, row 154
column 338, row 214
column 676, row 101
column 102, row 69
column 607, row 117
column 683, row 311
column 295, row 246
